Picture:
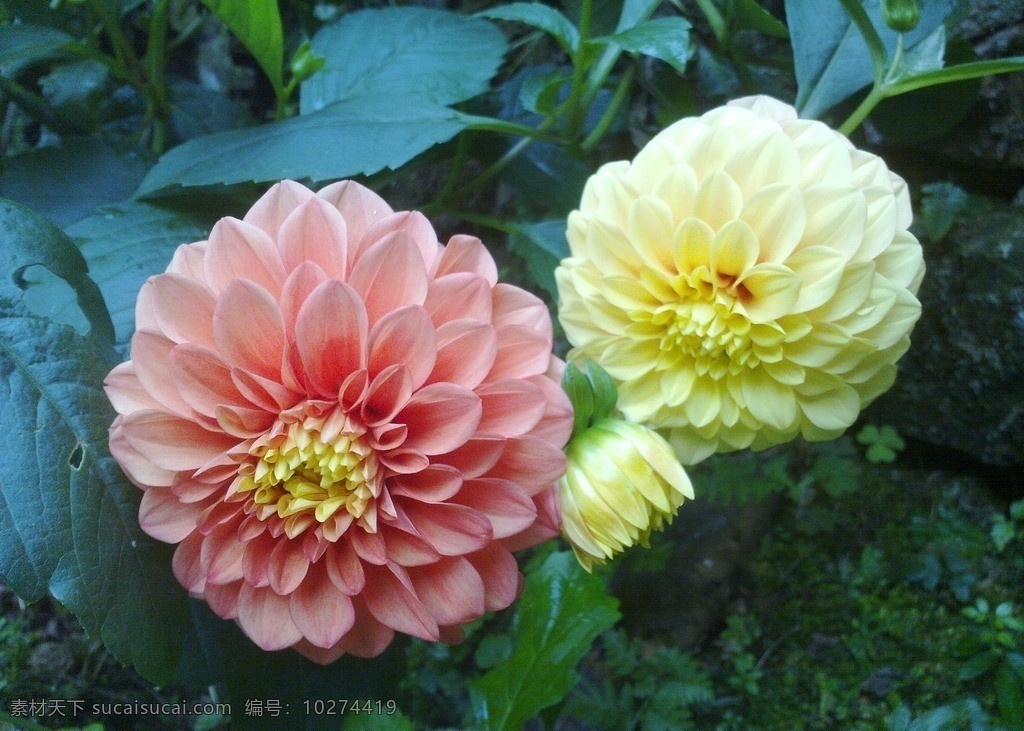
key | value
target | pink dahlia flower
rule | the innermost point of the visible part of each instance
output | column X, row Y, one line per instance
column 345, row 426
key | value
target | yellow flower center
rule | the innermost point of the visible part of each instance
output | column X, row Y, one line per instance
column 302, row 477
column 703, row 326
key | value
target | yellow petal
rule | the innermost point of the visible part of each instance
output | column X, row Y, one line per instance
column 820, row 269
column 651, row 230
column 734, row 250
column 719, row 199
column 777, row 217
column 774, row 290
column 692, row 244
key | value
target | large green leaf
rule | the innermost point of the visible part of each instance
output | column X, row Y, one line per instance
column 24, row 43
column 68, row 516
column 344, row 139
column 257, row 24
column 562, row 610
column 67, row 182
column 408, row 55
column 830, row 56
column 127, row 243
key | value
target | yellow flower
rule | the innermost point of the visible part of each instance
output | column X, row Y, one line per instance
column 746, row 279
column 622, row 482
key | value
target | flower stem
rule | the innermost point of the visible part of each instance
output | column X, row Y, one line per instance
column 576, row 109
column 622, row 90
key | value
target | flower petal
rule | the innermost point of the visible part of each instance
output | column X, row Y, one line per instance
column 320, row 612
column 394, row 603
column 451, row 590
column 315, row 232
column 389, row 275
column 266, row 618
column 239, row 250
column 404, row 336
column 249, row 329
column 330, row 334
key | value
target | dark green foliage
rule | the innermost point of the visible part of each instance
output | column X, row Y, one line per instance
column 640, row 686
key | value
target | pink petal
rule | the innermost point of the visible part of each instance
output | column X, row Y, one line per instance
column 137, row 468
column 315, row 232
column 288, row 566
column 150, row 355
column 319, row 655
column 125, row 392
column 509, row 509
column 393, row 602
column 330, row 333
column 531, row 462
column 244, row 423
column 406, row 549
column 223, row 598
column 265, row 617
column 452, row 529
column 264, row 393
column 522, row 352
column 389, row 275
column 321, row 612
column 221, row 555
column 510, row 408
column 256, row 558
column 467, row 254
column 173, row 443
column 466, row 350
column 344, row 568
column 182, row 308
column 186, row 564
column 404, row 461
column 360, row 206
column 515, row 306
column 368, row 637
column 306, row 277
column 440, row 417
column 556, row 424
column 165, row 517
column 456, row 296
column 546, row 527
column 500, row 573
column 409, row 224
column 451, row 590
column 188, row 260
column 476, row 457
column 404, row 336
column 239, row 250
column 434, row 484
column 249, row 329
column 270, row 211
column 202, row 379
column 389, row 392
column 369, row 546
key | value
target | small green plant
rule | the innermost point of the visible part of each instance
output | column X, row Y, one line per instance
column 996, row 649
column 647, row 687
column 965, row 714
column 883, row 443
column 740, row 633
column 1008, row 528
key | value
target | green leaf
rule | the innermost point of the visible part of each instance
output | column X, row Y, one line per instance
column 960, row 72
column 538, row 15
column 667, row 39
column 68, row 516
column 581, row 395
column 749, row 14
column 977, row 666
column 635, row 12
column 539, row 94
column 1010, row 696
column 542, row 245
column 126, row 244
column 941, row 203
column 405, row 56
column 24, row 43
column 257, row 24
column 831, row 58
column 562, row 610
column 362, row 139
column 68, row 182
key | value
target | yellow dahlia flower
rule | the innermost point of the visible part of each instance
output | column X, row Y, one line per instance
column 622, row 482
column 746, row 279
